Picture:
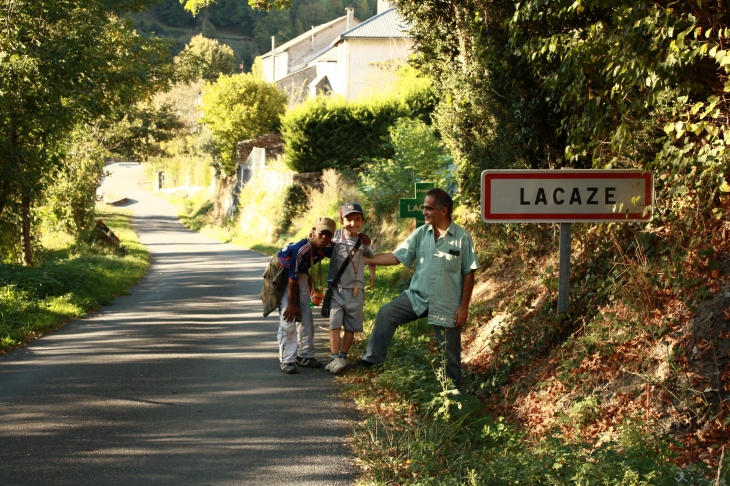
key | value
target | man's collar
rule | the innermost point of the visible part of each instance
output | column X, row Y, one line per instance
column 451, row 229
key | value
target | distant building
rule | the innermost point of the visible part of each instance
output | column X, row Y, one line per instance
column 287, row 64
column 345, row 56
column 363, row 59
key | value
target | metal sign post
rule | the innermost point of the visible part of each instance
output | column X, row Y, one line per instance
column 413, row 207
column 565, row 197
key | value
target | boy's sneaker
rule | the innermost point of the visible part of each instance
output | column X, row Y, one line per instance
column 289, row 368
column 308, row 363
column 337, row 365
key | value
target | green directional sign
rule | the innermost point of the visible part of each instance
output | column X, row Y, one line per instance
column 413, row 207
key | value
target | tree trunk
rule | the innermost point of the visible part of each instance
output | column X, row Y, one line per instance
column 25, row 238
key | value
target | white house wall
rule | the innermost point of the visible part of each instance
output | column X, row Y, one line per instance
column 267, row 70
column 335, row 76
column 361, row 56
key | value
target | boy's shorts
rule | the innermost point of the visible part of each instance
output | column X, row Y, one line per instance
column 346, row 309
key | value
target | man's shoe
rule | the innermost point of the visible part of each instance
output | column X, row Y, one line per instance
column 337, row 365
column 365, row 364
column 289, row 368
column 308, row 363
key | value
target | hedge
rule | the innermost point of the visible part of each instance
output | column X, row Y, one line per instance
column 325, row 133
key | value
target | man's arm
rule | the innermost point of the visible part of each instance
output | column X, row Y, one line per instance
column 462, row 313
column 382, row 259
column 292, row 308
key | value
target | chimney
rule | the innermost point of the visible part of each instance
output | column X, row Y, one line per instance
column 273, row 59
column 350, row 18
column 383, row 5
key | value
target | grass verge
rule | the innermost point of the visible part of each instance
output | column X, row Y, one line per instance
column 68, row 281
column 416, row 431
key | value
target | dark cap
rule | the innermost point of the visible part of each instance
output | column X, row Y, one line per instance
column 350, row 208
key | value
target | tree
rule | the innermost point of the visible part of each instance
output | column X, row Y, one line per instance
column 63, row 62
column 580, row 84
column 194, row 6
column 204, row 58
column 239, row 107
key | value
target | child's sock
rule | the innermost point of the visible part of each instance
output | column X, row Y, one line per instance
column 333, row 356
column 342, row 355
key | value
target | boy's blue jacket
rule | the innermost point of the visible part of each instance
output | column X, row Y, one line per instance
column 296, row 257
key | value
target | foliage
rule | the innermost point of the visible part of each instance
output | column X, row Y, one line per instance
column 140, row 131
column 405, row 440
column 173, row 14
column 325, row 133
column 336, row 190
column 68, row 282
column 417, row 156
column 68, row 202
column 240, row 107
column 208, row 30
column 180, row 169
column 586, row 84
column 204, row 58
column 63, row 63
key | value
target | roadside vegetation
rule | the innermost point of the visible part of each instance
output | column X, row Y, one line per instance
column 631, row 386
column 72, row 277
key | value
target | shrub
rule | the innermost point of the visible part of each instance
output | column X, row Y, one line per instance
column 325, row 133
column 417, row 156
column 239, row 107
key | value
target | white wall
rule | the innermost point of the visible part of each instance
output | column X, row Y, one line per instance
column 361, row 55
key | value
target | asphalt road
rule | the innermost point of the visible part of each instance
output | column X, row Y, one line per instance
column 178, row 383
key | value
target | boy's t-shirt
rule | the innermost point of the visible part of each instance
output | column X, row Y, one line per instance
column 349, row 279
column 296, row 257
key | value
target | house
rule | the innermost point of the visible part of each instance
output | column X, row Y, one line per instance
column 363, row 59
column 288, row 64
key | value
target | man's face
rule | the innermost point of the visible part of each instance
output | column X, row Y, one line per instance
column 322, row 238
column 352, row 223
column 432, row 215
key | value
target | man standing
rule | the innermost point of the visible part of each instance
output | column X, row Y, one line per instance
column 440, row 289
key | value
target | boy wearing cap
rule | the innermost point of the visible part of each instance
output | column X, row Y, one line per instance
column 348, row 296
column 298, row 350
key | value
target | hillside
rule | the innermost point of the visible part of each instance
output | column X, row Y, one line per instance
column 247, row 31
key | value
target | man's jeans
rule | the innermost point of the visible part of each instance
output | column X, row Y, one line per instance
column 400, row 311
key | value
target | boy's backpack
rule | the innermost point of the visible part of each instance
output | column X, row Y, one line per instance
column 276, row 279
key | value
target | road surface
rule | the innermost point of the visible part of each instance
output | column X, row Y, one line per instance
column 177, row 383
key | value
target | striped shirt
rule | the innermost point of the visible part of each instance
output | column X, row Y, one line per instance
column 296, row 257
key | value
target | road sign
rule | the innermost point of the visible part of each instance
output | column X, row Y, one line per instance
column 413, row 207
column 566, row 196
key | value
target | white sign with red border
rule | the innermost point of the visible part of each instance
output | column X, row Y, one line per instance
column 566, row 196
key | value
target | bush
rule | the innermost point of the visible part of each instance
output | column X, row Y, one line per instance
column 240, row 107
column 180, row 169
column 326, row 202
column 326, row 133
column 417, row 156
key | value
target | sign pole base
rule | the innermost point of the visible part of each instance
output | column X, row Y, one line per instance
column 564, row 269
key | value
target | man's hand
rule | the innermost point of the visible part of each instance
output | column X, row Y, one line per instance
column 291, row 312
column 365, row 239
column 462, row 314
